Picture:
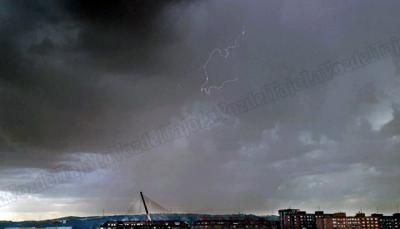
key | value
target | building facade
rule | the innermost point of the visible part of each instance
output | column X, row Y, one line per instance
column 296, row 219
column 199, row 224
column 145, row 225
column 389, row 222
column 230, row 224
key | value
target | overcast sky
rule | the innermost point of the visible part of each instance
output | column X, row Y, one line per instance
column 77, row 78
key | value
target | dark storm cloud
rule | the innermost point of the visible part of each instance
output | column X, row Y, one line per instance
column 20, row 80
column 112, row 30
column 80, row 78
column 40, row 91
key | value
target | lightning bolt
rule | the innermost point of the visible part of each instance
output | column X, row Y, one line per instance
column 225, row 53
